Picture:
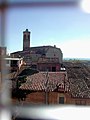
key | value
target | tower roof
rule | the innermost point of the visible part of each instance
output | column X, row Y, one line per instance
column 26, row 31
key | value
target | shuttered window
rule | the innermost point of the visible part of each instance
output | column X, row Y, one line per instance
column 61, row 100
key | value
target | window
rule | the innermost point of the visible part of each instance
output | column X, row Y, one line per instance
column 61, row 100
column 53, row 69
column 14, row 63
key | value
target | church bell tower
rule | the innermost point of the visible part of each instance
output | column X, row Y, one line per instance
column 26, row 40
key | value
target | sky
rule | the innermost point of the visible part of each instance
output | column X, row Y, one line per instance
column 66, row 27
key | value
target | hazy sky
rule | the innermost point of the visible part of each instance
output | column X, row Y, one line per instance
column 66, row 27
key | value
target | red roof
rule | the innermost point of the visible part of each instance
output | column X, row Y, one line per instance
column 42, row 81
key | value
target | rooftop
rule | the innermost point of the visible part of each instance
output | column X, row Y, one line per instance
column 39, row 49
column 43, row 80
column 79, row 79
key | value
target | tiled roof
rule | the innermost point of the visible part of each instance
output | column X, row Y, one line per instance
column 37, row 50
column 79, row 79
column 40, row 49
column 42, row 81
column 11, row 77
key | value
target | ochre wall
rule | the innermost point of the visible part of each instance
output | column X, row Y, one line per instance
column 53, row 98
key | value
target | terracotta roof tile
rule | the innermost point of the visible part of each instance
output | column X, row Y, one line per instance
column 42, row 81
column 79, row 79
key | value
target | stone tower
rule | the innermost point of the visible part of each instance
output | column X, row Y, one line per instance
column 26, row 40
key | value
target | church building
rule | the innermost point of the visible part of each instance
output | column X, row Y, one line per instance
column 42, row 58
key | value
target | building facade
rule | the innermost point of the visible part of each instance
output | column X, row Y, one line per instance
column 51, row 55
column 13, row 63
